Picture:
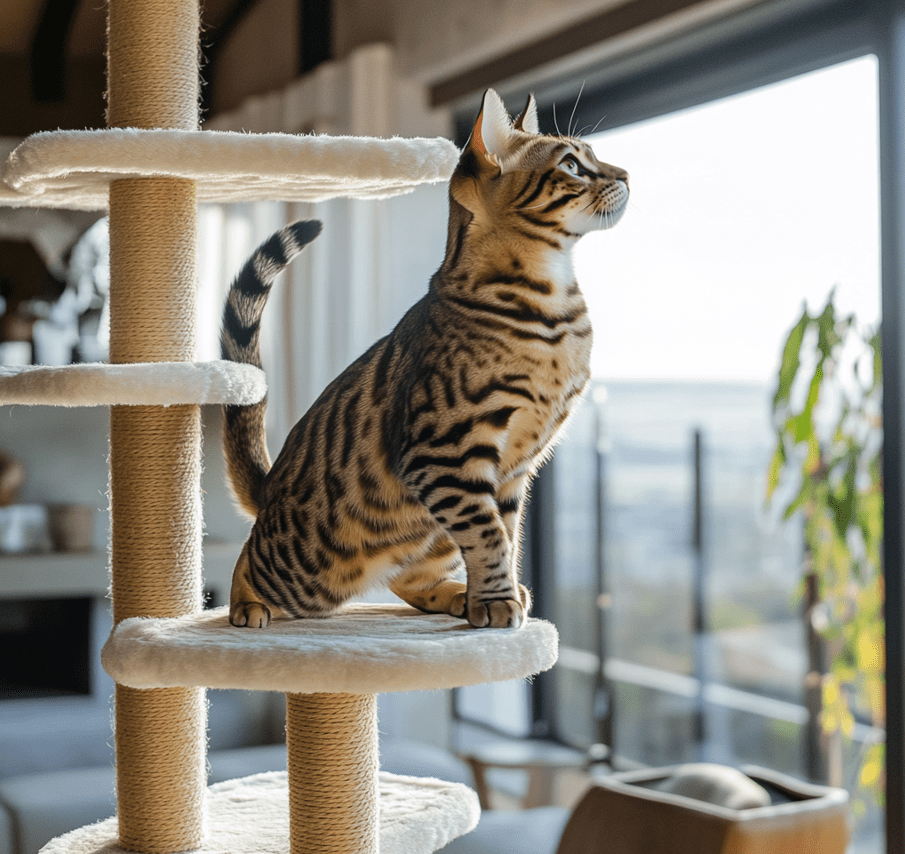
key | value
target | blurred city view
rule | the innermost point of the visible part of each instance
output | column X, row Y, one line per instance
column 734, row 694
column 750, row 564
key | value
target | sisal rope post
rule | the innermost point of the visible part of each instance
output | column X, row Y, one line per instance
column 155, row 453
column 331, row 742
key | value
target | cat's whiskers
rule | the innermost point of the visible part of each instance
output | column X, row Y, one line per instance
column 555, row 123
column 594, row 129
column 575, row 107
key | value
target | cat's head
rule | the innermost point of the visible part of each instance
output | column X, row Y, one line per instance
column 510, row 174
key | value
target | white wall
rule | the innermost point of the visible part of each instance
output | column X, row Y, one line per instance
column 65, row 451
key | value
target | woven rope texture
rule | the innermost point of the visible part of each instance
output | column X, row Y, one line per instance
column 155, row 453
column 333, row 760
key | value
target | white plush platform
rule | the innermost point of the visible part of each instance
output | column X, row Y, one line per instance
column 73, row 169
column 152, row 384
column 417, row 816
column 366, row 649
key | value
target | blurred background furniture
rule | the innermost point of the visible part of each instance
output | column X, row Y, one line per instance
column 540, row 759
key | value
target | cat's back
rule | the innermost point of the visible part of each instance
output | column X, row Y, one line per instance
column 352, row 412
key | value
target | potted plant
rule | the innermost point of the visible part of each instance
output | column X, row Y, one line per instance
column 827, row 467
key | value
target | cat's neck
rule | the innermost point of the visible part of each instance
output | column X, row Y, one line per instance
column 477, row 255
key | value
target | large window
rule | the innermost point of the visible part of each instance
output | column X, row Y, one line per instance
column 743, row 210
column 653, row 519
column 754, row 46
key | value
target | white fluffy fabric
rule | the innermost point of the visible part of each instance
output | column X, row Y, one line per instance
column 365, row 649
column 73, row 169
column 151, row 383
column 417, row 816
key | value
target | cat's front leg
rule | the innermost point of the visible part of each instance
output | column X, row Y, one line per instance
column 494, row 598
column 512, row 508
column 470, row 514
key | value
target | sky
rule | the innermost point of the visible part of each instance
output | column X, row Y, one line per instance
column 741, row 211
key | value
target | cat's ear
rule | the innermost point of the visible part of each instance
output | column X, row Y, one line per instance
column 527, row 121
column 492, row 135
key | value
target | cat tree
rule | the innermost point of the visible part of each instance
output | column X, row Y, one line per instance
column 150, row 168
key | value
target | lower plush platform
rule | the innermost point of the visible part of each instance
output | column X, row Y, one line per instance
column 365, row 649
column 417, row 816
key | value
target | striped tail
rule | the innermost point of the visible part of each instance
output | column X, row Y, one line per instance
column 244, row 438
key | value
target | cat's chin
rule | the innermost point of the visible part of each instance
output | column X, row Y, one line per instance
column 610, row 218
column 602, row 221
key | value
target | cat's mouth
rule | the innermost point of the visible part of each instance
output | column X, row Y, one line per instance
column 604, row 212
column 616, row 203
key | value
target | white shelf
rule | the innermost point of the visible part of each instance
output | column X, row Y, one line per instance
column 74, row 169
column 364, row 649
column 417, row 816
column 137, row 384
column 66, row 575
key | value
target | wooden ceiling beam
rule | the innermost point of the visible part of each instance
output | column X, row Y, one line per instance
column 586, row 33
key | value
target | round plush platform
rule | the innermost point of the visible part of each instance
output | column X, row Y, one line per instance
column 151, row 383
column 73, row 169
column 365, row 649
column 417, row 816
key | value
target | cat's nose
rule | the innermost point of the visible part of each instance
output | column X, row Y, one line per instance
column 614, row 173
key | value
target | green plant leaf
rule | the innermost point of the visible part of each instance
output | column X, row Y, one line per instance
column 791, row 359
column 799, row 501
column 842, row 498
column 875, row 343
column 802, row 425
column 777, row 464
column 830, row 331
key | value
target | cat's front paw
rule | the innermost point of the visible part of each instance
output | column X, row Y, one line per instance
column 253, row 615
column 497, row 614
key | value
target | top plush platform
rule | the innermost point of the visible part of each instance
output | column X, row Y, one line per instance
column 73, row 169
column 365, row 649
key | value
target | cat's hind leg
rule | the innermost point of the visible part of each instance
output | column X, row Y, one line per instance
column 425, row 582
column 245, row 605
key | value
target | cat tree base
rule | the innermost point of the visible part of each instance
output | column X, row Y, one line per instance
column 417, row 816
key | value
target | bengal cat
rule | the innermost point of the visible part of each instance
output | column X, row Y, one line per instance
column 414, row 463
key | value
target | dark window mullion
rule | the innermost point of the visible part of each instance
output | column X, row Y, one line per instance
column 539, row 568
column 891, row 52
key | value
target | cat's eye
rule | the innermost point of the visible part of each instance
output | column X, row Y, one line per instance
column 570, row 165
